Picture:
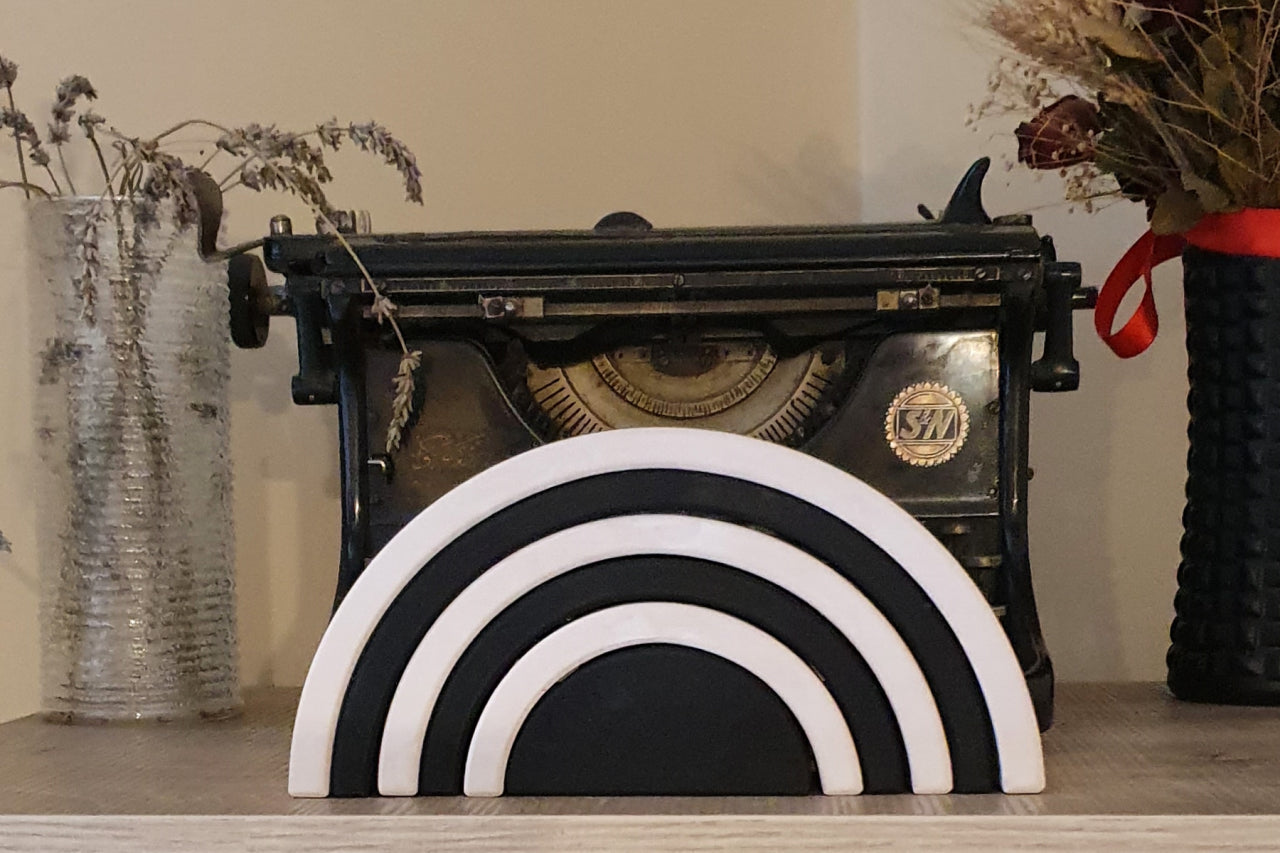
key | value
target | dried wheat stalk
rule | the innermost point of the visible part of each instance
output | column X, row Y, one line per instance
column 1187, row 96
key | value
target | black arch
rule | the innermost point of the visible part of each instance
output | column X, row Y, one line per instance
column 688, row 581
column 665, row 721
column 353, row 769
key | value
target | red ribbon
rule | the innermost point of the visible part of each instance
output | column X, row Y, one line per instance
column 1253, row 231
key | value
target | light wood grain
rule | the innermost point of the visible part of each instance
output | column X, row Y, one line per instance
column 1125, row 763
column 655, row 834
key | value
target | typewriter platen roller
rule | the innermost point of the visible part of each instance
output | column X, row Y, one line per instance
column 900, row 353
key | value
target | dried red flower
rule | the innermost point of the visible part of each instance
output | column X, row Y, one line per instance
column 1062, row 134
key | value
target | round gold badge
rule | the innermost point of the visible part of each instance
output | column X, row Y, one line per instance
column 926, row 424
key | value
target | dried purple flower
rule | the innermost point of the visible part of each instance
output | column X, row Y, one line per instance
column 273, row 174
column 382, row 308
column 8, row 75
column 235, row 143
column 402, row 403
column 89, row 121
column 330, row 133
column 166, row 177
column 24, row 131
column 376, row 138
column 251, row 177
column 90, row 264
column 17, row 121
column 69, row 91
column 269, row 144
column 305, row 187
column 5, row 545
column 254, row 139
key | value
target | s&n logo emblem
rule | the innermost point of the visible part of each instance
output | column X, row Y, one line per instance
column 926, row 424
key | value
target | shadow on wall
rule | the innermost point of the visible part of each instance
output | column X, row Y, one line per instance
column 1107, row 501
column 819, row 186
column 286, row 554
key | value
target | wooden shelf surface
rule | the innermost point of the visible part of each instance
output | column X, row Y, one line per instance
column 1126, row 764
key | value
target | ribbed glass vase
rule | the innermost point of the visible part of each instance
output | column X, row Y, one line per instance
column 138, row 592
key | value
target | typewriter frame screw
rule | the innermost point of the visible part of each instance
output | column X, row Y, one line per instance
column 280, row 225
column 499, row 308
column 382, row 464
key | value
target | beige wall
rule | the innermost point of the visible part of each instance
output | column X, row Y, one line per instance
column 532, row 115
column 524, row 115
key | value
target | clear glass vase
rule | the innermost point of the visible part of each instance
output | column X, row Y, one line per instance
column 136, row 541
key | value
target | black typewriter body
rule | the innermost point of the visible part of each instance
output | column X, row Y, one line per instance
column 902, row 354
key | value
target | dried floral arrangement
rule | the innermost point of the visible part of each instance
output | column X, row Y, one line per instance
column 1174, row 103
column 145, row 172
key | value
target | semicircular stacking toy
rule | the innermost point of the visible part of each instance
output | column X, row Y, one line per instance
column 664, row 611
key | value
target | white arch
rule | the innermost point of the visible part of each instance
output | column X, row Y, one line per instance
column 742, row 548
column 844, row 496
column 613, row 628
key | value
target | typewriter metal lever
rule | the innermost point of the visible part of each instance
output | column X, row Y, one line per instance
column 965, row 206
column 1057, row 368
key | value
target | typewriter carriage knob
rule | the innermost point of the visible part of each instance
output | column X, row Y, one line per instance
column 250, row 301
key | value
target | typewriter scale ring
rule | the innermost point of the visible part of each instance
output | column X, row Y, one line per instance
column 733, row 384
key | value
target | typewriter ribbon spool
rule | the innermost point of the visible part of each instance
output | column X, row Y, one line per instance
column 779, row 627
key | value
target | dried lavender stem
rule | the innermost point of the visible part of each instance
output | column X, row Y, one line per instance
column 191, row 122
column 22, row 164
column 102, row 161
column 126, row 178
column 67, row 174
column 28, row 187
column 223, row 185
column 56, row 186
column 209, row 159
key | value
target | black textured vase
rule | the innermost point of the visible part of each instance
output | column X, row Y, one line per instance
column 1226, row 632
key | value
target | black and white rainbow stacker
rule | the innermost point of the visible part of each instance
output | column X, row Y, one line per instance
column 664, row 611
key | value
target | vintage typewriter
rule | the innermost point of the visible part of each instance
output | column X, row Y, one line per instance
column 900, row 353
